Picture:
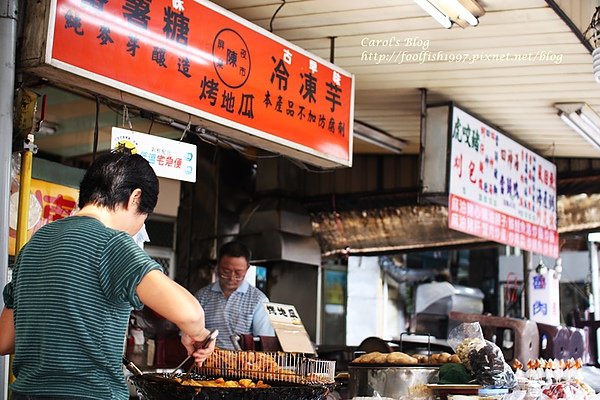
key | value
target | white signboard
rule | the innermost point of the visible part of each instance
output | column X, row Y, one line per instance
column 169, row 158
column 500, row 190
column 544, row 298
column 289, row 329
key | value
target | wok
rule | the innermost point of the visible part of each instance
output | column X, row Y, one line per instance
column 156, row 386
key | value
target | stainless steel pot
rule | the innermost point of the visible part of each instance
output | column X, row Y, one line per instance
column 391, row 381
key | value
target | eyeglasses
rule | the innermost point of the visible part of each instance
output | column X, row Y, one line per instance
column 232, row 277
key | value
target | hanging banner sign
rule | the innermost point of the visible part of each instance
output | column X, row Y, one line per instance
column 500, row 190
column 169, row 158
column 544, row 298
column 198, row 58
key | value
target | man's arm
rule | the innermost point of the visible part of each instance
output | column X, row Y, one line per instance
column 7, row 331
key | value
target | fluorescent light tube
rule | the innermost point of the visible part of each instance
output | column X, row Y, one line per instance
column 582, row 119
column 589, row 115
column 463, row 13
column 374, row 136
column 435, row 13
column 567, row 119
column 584, row 123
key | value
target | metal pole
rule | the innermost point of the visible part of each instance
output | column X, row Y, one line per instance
column 319, row 322
column 593, row 252
column 422, row 142
column 527, row 268
column 24, row 189
column 8, row 45
column 593, row 239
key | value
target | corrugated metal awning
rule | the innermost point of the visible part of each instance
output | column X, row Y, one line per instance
column 384, row 229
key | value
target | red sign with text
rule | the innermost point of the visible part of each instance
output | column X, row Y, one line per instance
column 478, row 220
column 196, row 57
column 500, row 190
column 48, row 202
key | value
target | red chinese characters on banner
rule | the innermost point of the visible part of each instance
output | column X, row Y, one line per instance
column 201, row 59
column 48, row 202
column 500, row 190
column 479, row 220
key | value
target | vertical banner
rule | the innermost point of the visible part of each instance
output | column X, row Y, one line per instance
column 544, row 298
column 500, row 190
column 196, row 57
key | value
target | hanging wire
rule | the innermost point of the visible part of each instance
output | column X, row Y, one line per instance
column 274, row 14
column 126, row 117
column 199, row 136
column 151, row 125
column 187, row 128
column 218, row 141
column 512, row 294
column 305, row 167
column 96, row 129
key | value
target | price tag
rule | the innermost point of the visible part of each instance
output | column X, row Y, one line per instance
column 289, row 328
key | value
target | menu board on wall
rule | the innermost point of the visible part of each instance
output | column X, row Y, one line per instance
column 500, row 190
column 198, row 58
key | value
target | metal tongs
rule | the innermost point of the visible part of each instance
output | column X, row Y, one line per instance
column 204, row 344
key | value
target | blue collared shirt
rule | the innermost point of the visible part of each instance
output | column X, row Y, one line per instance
column 242, row 312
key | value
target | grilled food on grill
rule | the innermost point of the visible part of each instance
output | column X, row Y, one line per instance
column 268, row 366
column 245, row 361
column 222, row 383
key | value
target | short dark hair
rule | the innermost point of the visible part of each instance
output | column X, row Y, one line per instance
column 111, row 179
column 234, row 249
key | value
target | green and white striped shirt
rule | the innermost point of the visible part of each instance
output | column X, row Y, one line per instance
column 72, row 291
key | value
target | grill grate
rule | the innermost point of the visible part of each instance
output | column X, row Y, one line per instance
column 269, row 366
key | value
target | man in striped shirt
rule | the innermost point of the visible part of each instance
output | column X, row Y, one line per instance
column 231, row 304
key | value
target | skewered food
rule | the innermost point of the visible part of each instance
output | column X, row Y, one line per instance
column 268, row 366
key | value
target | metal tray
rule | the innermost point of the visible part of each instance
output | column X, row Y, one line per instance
column 155, row 386
column 392, row 365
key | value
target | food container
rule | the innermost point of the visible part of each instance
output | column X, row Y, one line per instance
column 391, row 380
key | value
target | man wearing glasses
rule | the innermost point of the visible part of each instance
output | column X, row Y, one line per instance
column 231, row 304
